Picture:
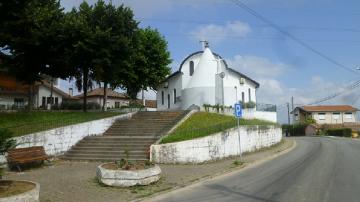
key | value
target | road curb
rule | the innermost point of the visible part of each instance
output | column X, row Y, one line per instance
column 234, row 171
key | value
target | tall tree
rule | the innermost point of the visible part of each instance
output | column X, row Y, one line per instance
column 28, row 35
column 115, row 31
column 82, row 48
column 150, row 62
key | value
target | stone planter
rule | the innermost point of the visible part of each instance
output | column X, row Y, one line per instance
column 29, row 196
column 127, row 178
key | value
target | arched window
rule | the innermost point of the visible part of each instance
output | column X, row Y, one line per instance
column 191, row 69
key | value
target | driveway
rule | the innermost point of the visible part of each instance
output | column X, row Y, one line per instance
column 318, row 169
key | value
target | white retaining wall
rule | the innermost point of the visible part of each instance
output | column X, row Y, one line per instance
column 57, row 141
column 217, row 146
column 247, row 114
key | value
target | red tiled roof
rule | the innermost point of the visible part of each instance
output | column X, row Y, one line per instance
column 329, row 108
column 100, row 92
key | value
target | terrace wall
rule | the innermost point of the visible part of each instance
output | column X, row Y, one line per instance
column 217, row 146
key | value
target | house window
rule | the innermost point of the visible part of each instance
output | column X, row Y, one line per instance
column 296, row 117
column 48, row 100
column 168, row 98
column 162, row 97
column 174, row 96
column 336, row 115
column 117, row 104
column 43, row 102
column 191, row 70
column 348, row 115
column 321, row 116
column 56, row 101
column 18, row 102
column 242, row 97
column 249, row 95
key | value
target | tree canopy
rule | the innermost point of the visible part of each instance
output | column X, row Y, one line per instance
column 100, row 42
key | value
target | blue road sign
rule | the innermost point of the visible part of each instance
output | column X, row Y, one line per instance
column 238, row 110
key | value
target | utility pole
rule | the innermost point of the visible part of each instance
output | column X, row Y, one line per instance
column 287, row 104
column 292, row 108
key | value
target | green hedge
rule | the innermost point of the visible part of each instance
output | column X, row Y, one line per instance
column 295, row 129
column 75, row 105
column 340, row 132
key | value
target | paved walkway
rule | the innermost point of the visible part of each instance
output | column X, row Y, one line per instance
column 75, row 181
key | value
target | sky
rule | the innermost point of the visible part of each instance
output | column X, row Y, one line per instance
column 320, row 64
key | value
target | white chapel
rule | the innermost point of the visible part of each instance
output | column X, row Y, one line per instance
column 204, row 77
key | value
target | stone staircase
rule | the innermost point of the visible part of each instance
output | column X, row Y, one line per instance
column 129, row 139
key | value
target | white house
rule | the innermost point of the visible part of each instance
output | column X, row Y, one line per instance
column 326, row 114
column 205, row 78
column 14, row 94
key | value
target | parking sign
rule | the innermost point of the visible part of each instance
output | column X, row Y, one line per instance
column 238, row 110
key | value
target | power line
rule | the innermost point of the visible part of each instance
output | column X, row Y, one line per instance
column 345, row 29
column 300, row 42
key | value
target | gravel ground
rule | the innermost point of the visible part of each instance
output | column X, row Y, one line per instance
column 75, row 181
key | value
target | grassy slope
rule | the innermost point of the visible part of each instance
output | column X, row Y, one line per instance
column 21, row 123
column 202, row 124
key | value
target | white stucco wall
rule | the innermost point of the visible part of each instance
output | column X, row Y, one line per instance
column 200, row 88
column 6, row 101
column 173, row 83
column 230, row 81
column 45, row 92
column 110, row 101
column 59, row 140
column 217, row 146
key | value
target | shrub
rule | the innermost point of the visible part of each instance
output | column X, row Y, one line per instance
column 340, row 132
column 309, row 120
column 6, row 143
column 250, row 105
column 295, row 129
column 75, row 105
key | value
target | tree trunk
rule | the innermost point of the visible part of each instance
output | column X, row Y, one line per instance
column 51, row 92
column 105, row 97
column 143, row 97
column 85, row 88
column 30, row 98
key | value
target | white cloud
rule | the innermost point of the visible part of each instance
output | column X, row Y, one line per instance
column 257, row 67
column 218, row 33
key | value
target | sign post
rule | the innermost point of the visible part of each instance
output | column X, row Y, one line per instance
column 238, row 115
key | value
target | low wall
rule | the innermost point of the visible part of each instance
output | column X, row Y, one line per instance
column 217, row 146
column 253, row 114
column 247, row 113
column 58, row 140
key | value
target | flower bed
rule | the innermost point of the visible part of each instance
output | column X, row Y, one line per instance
column 11, row 191
column 112, row 175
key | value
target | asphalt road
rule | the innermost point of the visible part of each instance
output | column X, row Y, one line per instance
column 318, row 169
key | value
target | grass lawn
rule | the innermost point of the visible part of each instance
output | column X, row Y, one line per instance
column 22, row 123
column 202, row 124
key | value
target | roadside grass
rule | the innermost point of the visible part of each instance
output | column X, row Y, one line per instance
column 22, row 123
column 203, row 124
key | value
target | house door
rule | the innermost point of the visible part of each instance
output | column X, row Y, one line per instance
column 168, row 101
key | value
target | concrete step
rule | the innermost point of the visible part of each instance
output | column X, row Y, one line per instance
column 120, row 138
column 107, row 156
column 109, row 148
column 100, row 159
column 115, row 153
column 134, row 135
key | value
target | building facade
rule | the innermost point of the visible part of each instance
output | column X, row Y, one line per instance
column 326, row 114
column 114, row 99
column 205, row 78
column 15, row 95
